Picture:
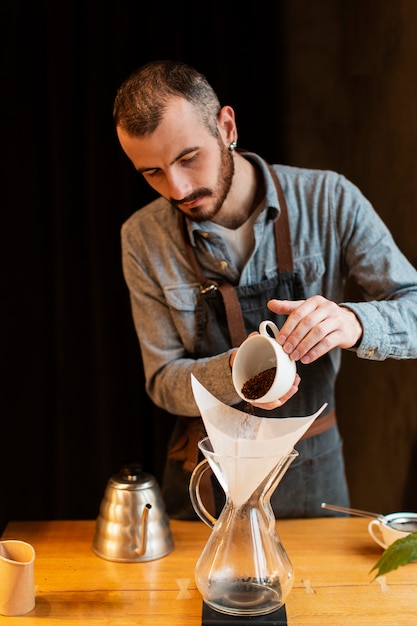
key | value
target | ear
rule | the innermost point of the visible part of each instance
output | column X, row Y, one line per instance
column 227, row 125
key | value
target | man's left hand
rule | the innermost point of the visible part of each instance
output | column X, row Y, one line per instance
column 315, row 326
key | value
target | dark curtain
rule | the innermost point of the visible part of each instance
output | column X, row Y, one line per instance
column 74, row 406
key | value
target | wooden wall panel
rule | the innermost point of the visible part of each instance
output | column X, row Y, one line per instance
column 351, row 88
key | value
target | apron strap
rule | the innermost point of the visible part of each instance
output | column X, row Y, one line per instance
column 234, row 317
column 231, row 302
column 283, row 244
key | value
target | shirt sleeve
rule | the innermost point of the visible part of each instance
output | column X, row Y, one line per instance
column 166, row 336
column 385, row 277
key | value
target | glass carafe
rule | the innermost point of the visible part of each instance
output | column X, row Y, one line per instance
column 243, row 568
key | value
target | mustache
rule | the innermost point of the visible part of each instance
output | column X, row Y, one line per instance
column 195, row 195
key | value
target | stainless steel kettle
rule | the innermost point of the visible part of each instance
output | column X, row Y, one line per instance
column 132, row 524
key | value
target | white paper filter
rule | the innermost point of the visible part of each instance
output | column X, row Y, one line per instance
column 249, row 446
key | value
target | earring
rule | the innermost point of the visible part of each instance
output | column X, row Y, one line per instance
column 233, row 146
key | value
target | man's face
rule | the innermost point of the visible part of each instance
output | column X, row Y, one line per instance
column 183, row 162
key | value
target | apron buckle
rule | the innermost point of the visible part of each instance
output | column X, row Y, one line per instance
column 208, row 288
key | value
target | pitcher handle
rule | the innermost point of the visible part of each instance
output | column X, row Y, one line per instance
column 194, row 490
column 374, row 529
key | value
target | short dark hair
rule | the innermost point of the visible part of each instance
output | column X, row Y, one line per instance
column 141, row 100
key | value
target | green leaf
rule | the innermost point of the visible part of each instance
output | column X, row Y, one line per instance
column 399, row 553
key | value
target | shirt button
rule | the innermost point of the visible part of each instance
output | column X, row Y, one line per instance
column 223, row 265
column 204, row 234
column 370, row 352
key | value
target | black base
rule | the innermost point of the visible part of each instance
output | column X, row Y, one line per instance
column 210, row 617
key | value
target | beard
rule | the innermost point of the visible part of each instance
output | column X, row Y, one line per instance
column 219, row 193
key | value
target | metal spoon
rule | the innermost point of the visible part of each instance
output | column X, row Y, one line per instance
column 344, row 509
column 403, row 523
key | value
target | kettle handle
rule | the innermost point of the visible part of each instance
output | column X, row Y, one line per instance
column 194, row 490
column 141, row 549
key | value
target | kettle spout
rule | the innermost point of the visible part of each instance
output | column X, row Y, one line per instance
column 141, row 549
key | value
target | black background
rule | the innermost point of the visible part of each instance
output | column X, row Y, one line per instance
column 73, row 402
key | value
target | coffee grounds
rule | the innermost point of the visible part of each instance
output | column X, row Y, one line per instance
column 258, row 385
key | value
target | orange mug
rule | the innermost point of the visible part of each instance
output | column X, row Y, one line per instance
column 17, row 586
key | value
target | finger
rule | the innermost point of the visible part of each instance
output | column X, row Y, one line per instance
column 330, row 339
column 283, row 307
column 299, row 322
column 314, row 346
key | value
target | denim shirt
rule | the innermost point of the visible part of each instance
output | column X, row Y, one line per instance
column 335, row 234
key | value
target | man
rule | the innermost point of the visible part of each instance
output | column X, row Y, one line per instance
column 232, row 241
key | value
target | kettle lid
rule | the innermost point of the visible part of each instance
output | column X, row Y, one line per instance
column 131, row 476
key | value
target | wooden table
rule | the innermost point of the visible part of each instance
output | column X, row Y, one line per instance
column 332, row 558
